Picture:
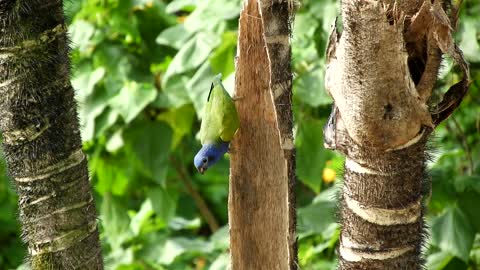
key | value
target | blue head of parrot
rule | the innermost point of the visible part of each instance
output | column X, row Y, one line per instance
column 208, row 155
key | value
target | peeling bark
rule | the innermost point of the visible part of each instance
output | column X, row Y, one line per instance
column 262, row 214
column 381, row 72
column 41, row 138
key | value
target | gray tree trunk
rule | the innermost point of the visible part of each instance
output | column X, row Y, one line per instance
column 262, row 213
column 381, row 72
column 41, row 137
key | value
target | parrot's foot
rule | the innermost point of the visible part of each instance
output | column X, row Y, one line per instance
column 237, row 98
column 231, row 150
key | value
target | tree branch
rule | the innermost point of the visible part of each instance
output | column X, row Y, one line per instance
column 199, row 201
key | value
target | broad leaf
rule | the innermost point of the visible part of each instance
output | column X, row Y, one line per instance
column 175, row 247
column 163, row 203
column 132, row 99
column 319, row 215
column 311, row 155
column 149, row 142
column 453, row 233
column 191, row 55
column 175, row 36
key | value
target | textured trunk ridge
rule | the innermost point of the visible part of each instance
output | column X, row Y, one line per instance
column 381, row 72
column 382, row 208
column 381, row 125
column 41, row 138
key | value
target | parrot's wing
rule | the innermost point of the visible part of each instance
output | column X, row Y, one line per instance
column 220, row 119
column 230, row 120
column 209, row 125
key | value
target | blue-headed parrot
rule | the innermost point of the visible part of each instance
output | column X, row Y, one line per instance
column 219, row 124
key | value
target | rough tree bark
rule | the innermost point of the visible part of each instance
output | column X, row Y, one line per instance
column 262, row 213
column 41, row 137
column 381, row 71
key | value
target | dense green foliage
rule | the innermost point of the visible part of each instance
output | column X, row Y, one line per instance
column 142, row 70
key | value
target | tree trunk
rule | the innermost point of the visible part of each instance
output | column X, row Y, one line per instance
column 381, row 72
column 262, row 176
column 41, row 138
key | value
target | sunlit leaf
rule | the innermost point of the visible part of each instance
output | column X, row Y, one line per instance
column 439, row 260
column 113, row 174
column 222, row 59
column 191, row 55
column 175, row 36
column 80, row 33
column 115, row 221
column 138, row 220
column 178, row 5
column 174, row 247
column 222, row 262
column 470, row 39
column 132, row 99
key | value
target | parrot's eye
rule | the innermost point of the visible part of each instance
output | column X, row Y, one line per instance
column 204, row 160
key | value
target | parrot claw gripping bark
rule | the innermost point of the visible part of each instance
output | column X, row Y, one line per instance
column 219, row 124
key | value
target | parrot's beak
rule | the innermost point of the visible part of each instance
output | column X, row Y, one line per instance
column 201, row 170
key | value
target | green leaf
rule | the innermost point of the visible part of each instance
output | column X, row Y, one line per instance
column 318, row 216
column 467, row 182
column 113, row 174
column 469, row 203
column 199, row 86
column 180, row 223
column 153, row 244
column 119, row 257
column 221, row 238
column 90, row 108
column 222, row 262
column 206, row 17
column 140, row 218
column 115, row 142
column 181, row 121
column 149, row 142
column 179, row 5
column 469, row 37
column 115, row 221
column 80, row 33
column 311, row 155
column 85, row 80
column 132, row 99
column 309, row 87
column 163, row 203
column 453, row 233
column 175, row 36
column 438, row 261
column 222, row 59
column 191, row 55
column 104, row 121
column 175, row 247
column 175, row 95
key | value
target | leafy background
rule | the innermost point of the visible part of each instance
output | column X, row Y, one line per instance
column 142, row 69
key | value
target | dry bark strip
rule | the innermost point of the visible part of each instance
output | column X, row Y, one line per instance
column 262, row 175
column 381, row 72
column 41, row 138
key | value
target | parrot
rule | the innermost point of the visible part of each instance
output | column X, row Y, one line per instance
column 219, row 124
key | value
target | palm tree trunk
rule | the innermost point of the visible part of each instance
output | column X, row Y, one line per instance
column 262, row 174
column 41, row 138
column 381, row 72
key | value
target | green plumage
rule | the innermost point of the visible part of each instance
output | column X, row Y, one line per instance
column 220, row 118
